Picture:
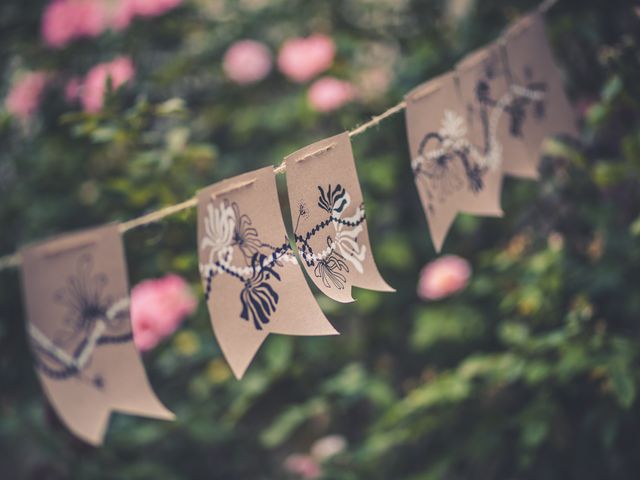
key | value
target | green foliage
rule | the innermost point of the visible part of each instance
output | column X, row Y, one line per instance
column 531, row 372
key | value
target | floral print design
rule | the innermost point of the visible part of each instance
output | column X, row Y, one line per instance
column 334, row 201
column 219, row 227
column 330, row 269
column 447, row 160
column 228, row 231
column 258, row 298
column 93, row 319
column 244, row 235
column 331, row 265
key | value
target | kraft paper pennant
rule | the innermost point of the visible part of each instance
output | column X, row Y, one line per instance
column 497, row 110
column 544, row 109
column 77, row 302
column 253, row 284
column 328, row 217
column 446, row 165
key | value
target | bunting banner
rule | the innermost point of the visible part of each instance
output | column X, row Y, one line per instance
column 253, row 284
column 448, row 177
column 77, row 301
column 531, row 64
column 467, row 129
column 496, row 111
column 328, row 217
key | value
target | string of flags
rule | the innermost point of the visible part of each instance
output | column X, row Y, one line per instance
column 467, row 129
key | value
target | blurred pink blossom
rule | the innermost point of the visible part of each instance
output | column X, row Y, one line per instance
column 443, row 277
column 122, row 14
column 247, row 61
column 58, row 27
column 72, row 89
column 302, row 465
column 329, row 93
column 24, row 96
column 301, row 59
column 65, row 20
column 119, row 71
column 158, row 307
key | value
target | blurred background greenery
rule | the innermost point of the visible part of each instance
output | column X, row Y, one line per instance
column 531, row 372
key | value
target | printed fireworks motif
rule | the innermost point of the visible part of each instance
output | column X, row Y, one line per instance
column 228, row 232
column 332, row 263
column 449, row 161
column 91, row 321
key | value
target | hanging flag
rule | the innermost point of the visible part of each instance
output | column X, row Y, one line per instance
column 545, row 109
column 77, row 301
column 253, row 284
column 447, row 171
column 328, row 216
column 496, row 110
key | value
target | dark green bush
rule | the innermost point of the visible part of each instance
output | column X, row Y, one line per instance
column 530, row 373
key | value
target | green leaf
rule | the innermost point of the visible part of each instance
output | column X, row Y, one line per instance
column 623, row 384
column 434, row 325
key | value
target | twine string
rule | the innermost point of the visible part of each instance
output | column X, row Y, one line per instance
column 13, row 260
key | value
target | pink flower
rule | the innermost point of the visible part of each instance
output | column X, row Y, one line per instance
column 247, row 61
column 91, row 16
column 302, row 465
column 301, row 59
column 24, row 97
column 329, row 93
column 119, row 71
column 65, row 20
column 72, row 90
column 58, row 27
column 443, row 277
column 122, row 14
column 157, row 309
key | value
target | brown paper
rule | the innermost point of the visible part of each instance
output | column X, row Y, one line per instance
column 253, row 284
column 531, row 65
column 496, row 112
column 328, row 218
column 77, row 301
column 448, row 178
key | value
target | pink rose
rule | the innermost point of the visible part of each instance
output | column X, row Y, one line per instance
column 443, row 277
column 157, row 309
column 24, row 97
column 65, row 20
column 247, row 61
column 302, row 465
column 119, row 71
column 329, row 93
column 58, row 27
column 91, row 17
column 301, row 59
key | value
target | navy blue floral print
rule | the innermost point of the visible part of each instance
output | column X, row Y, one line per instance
column 258, row 298
column 333, row 200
